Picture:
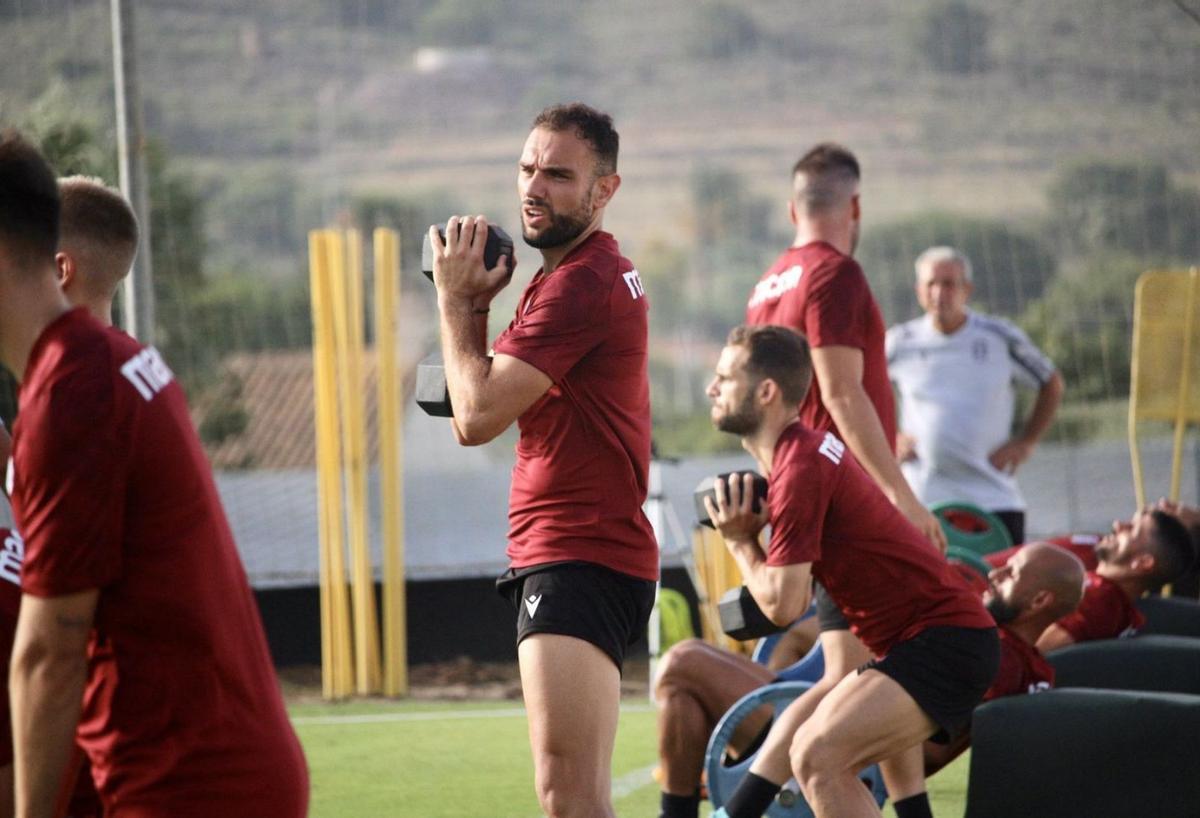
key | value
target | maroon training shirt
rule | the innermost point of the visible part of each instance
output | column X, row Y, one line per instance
column 1023, row 668
column 824, row 296
column 890, row 583
column 1105, row 612
column 182, row 713
column 584, row 452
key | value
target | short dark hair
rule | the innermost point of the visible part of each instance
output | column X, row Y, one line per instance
column 29, row 209
column 93, row 211
column 828, row 168
column 778, row 353
column 592, row 126
column 1174, row 554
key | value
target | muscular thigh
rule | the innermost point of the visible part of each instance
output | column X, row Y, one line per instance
column 572, row 693
column 867, row 717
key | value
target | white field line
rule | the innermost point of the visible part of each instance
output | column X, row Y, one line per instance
column 440, row 715
column 632, row 781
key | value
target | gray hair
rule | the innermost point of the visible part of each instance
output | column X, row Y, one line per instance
column 936, row 255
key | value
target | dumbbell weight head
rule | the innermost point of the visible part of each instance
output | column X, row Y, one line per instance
column 708, row 488
column 431, row 393
column 498, row 244
column 741, row 618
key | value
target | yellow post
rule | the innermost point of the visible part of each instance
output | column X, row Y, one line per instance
column 335, row 613
column 1181, row 403
column 391, row 475
column 348, row 329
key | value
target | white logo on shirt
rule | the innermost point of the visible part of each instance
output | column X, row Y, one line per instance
column 11, row 557
column 1039, row 687
column 776, row 284
column 832, row 448
column 148, row 372
column 634, row 283
column 531, row 604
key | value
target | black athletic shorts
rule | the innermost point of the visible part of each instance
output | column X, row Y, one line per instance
column 829, row 615
column 946, row 670
column 580, row 599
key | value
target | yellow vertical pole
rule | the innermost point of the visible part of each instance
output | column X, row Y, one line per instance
column 1181, row 402
column 391, row 475
column 335, row 613
column 348, row 330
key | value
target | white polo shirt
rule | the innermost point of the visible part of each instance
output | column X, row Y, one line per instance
column 956, row 401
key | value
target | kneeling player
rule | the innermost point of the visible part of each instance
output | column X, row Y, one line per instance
column 936, row 646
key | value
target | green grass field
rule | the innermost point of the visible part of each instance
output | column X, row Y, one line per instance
column 471, row 760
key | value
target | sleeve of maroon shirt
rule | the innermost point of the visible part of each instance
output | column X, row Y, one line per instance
column 836, row 310
column 562, row 323
column 797, row 502
column 1096, row 617
column 71, row 476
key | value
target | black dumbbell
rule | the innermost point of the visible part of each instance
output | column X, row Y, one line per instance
column 741, row 618
column 708, row 488
column 432, row 395
column 498, row 244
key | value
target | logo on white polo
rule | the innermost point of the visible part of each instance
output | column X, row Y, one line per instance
column 531, row 603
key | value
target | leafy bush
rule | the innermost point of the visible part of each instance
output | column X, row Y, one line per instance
column 720, row 30
column 951, row 36
column 1125, row 206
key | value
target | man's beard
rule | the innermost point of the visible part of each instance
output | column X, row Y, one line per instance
column 564, row 228
column 743, row 421
column 1001, row 611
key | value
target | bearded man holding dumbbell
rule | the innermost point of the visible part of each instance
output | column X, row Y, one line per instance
column 571, row 370
column 935, row 646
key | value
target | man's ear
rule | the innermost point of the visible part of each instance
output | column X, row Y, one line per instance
column 66, row 269
column 1041, row 600
column 792, row 211
column 1143, row 563
column 605, row 188
column 766, row 390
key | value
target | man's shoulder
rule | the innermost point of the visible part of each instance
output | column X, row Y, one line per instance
column 598, row 258
column 909, row 330
column 800, row 446
column 996, row 326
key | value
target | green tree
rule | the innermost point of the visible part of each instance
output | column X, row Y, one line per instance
column 1084, row 323
column 1124, row 206
column 951, row 36
column 1011, row 266
column 720, row 30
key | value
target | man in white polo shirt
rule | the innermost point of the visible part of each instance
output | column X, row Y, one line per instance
column 954, row 370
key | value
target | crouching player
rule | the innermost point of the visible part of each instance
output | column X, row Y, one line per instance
column 935, row 645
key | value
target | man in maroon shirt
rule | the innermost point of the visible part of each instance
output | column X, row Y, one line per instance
column 817, row 289
column 571, row 370
column 935, row 645
column 1025, row 596
column 1141, row 554
column 134, row 603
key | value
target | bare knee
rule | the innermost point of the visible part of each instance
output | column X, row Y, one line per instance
column 566, row 788
column 814, row 756
column 681, row 667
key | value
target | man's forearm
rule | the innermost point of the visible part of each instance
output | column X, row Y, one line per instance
column 464, row 356
column 46, row 690
column 781, row 600
column 856, row 419
column 1044, row 408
